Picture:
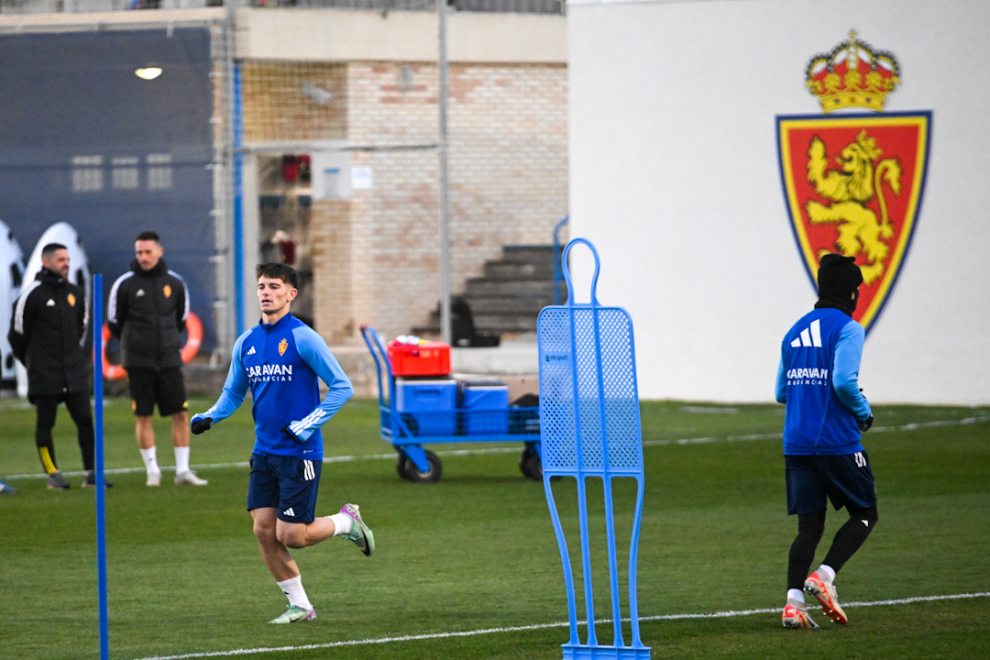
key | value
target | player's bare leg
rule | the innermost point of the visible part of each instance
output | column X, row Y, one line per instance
column 276, row 555
column 282, row 566
column 144, row 432
column 299, row 535
column 348, row 523
column 180, row 429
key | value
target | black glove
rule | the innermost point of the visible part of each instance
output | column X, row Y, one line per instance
column 865, row 424
column 286, row 430
column 200, row 424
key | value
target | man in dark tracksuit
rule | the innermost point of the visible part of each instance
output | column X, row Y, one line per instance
column 147, row 311
column 47, row 334
column 818, row 380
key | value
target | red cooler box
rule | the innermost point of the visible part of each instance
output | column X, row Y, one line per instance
column 428, row 358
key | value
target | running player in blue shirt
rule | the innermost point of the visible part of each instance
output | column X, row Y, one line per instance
column 823, row 454
column 282, row 360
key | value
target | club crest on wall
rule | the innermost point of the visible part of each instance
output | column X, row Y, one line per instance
column 854, row 176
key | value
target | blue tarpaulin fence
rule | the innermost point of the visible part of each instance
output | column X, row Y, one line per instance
column 84, row 140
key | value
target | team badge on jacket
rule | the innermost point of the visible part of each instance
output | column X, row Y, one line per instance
column 282, row 346
column 854, row 181
column 72, row 299
column 167, row 290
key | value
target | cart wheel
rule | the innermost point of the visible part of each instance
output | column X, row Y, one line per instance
column 530, row 466
column 408, row 470
column 400, row 467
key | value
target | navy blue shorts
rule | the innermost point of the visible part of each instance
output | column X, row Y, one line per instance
column 285, row 483
column 846, row 480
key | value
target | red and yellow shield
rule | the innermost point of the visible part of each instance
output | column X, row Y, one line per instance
column 854, row 187
column 282, row 346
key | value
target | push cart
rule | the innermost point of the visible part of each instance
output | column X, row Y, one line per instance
column 429, row 410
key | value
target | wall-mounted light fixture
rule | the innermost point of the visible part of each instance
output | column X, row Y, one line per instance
column 148, row 73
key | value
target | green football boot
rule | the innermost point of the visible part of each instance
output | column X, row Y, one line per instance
column 360, row 533
column 295, row 613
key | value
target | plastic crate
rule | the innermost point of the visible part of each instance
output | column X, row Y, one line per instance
column 484, row 408
column 524, row 420
column 427, row 358
column 428, row 407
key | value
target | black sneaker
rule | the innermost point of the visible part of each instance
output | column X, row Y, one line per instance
column 57, row 482
column 90, row 480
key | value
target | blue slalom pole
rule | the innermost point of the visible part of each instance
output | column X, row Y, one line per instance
column 101, row 514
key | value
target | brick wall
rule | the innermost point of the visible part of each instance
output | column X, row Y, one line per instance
column 274, row 109
column 376, row 256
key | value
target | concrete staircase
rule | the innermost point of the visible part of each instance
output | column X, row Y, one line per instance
column 507, row 299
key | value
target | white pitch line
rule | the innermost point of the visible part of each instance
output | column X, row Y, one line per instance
column 770, row 610
column 244, row 464
column 543, row 626
column 914, row 426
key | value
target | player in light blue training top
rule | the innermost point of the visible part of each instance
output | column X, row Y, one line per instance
column 282, row 361
column 818, row 381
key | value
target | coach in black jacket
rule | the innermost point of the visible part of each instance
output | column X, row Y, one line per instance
column 147, row 311
column 147, row 314
column 47, row 334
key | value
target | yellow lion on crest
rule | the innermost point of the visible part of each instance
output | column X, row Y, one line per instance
column 850, row 188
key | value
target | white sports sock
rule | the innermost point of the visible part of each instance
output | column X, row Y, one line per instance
column 293, row 589
column 826, row 573
column 342, row 523
column 150, row 458
column 795, row 594
column 181, row 460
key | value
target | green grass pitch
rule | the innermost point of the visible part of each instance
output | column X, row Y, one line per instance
column 477, row 551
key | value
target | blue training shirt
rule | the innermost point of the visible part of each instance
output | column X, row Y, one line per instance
column 818, row 380
column 283, row 363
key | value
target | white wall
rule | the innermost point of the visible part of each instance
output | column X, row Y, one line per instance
column 674, row 178
column 405, row 36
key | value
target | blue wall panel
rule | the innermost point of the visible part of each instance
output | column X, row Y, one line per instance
column 85, row 141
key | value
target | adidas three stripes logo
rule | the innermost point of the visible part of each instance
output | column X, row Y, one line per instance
column 810, row 336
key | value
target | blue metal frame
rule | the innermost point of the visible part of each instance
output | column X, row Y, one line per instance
column 558, row 274
column 397, row 431
column 590, row 406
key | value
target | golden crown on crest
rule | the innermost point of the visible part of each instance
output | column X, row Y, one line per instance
column 852, row 75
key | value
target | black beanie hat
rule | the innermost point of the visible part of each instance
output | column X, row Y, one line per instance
column 838, row 275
